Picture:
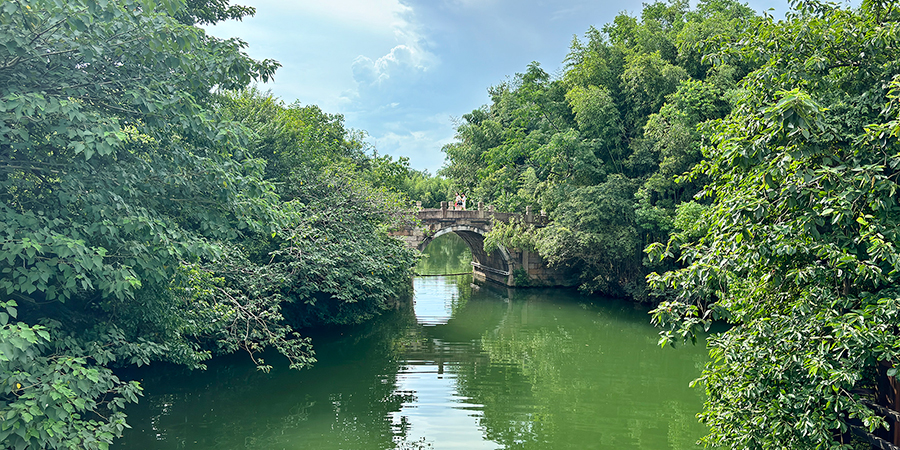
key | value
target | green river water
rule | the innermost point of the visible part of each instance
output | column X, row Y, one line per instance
column 462, row 367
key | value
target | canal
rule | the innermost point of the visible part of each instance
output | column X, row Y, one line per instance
column 460, row 367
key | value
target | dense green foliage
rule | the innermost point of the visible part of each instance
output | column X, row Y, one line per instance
column 426, row 188
column 141, row 221
column 342, row 202
column 598, row 148
column 156, row 209
column 785, row 225
column 799, row 250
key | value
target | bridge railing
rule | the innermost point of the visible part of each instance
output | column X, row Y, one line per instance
column 483, row 212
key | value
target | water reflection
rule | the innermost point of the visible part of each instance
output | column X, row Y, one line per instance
column 344, row 402
column 438, row 299
column 547, row 369
column 592, row 373
column 458, row 367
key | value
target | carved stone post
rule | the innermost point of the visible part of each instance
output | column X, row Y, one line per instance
column 481, row 210
column 443, row 210
column 529, row 216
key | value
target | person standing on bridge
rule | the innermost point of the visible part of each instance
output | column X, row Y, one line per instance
column 463, row 201
column 458, row 202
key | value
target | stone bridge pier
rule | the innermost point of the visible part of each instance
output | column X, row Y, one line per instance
column 510, row 267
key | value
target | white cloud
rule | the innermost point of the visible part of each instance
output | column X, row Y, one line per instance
column 402, row 63
column 384, row 80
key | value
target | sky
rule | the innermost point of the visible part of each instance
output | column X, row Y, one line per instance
column 404, row 71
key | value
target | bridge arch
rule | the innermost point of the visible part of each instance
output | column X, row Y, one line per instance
column 472, row 226
column 498, row 264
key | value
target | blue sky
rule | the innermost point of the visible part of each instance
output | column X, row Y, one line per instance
column 404, row 70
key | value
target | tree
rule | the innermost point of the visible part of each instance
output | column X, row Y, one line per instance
column 625, row 112
column 595, row 231
column 646, row 82
column 429, row 189
column 799, row 248
column 130, row 204
column 331, row 260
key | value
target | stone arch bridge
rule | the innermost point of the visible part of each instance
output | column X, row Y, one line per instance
column 504, row 266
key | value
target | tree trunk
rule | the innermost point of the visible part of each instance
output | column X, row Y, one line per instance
column 887, row 394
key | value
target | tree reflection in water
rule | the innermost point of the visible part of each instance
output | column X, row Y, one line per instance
column 463, row 367
column 567, row 373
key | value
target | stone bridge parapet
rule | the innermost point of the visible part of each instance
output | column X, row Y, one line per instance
column 510, row 267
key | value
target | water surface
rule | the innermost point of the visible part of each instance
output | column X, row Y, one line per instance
column 459, row 367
